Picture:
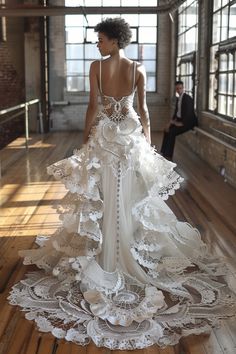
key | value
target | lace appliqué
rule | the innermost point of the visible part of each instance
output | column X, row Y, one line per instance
column 183, row 291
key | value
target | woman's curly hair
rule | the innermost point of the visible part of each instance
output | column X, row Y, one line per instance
column 115, row 28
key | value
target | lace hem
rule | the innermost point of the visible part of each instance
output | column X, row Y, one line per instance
column 182, row 289
column 133, row 317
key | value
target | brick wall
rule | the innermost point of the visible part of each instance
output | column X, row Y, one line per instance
column 215, row 143
column 12, row 88
column 11, row 81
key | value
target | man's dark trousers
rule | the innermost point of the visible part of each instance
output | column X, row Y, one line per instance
column 168, row 144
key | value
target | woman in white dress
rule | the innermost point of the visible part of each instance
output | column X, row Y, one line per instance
column 122, row 270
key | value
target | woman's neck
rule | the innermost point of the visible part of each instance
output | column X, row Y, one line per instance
column 117, row 54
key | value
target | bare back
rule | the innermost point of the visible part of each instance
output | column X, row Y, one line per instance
column 117, row 77
column 115, row 80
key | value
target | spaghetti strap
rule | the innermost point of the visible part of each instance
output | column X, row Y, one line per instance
column 134, row 72
column 100, row 76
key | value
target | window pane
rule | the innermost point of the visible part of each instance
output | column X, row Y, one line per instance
column 223, row 62
column 232, row 21
column 177, row 71
column 148, row 2
column 91, row 2
column 190, row 68
column 222, row 104
column 230, row 61
column 147, row 35
column 216, row 28
column 111, row 3
column 87, row 66
column 129, row 3
column 212, row 87
column 134, row 37
column 191, row 40
column 147, row 51
column 91, row 51
column 147, row 20
column 91, row 36
column 74, row 35
column 181, row 23
column 74, row 51
column 93, row 20
column 191, row 15
column 182, row 7
column 217, row 4
column 151, row 83
column 132, row 20
column 181, row 49
column 75, row 67
column 74, row 20
column 230, row 106
column 150, row 66
column 224, row 2
column 234, row 108
column 132, row 51
column 72, row 2
column 222, row 83
column 189, row 83
column 225, row 18
column 182, row 69
column 230, row 83
column 189, row 2
column 75, row 83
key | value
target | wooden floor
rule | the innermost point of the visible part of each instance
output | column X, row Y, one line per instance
column 27, row 199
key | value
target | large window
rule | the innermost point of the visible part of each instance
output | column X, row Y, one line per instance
column 187, row 44
column 81, row 41
column 222, row 69
column 3, row 30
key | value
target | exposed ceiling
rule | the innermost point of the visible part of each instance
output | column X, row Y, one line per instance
column 28, row 10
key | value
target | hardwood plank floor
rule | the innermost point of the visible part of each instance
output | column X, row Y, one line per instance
column 28, row 200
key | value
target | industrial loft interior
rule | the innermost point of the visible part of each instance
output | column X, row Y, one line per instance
column 49, row 51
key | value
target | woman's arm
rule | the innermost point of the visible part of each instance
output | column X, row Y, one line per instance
column 142, row 105
column 92, row 108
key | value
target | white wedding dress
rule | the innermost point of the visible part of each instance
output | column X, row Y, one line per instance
column 122, row 270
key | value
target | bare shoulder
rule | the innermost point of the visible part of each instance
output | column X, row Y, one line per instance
column 140, row 67
column 141, row 72
column 94, row 67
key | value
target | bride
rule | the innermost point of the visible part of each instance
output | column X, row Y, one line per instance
column 122, row 271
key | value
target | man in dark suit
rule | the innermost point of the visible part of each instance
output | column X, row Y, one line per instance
column 184, row 119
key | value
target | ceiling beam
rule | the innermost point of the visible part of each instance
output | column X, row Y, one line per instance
column 28, row 11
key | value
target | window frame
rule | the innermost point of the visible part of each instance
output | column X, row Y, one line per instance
column 84, row 76
column 186, row 57
column 222, row 47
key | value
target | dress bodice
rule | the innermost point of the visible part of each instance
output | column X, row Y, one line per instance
column 117, row 109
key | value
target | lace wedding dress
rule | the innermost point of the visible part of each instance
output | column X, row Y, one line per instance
column 122, row 270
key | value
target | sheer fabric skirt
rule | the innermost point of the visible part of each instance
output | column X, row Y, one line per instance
column 122, row 270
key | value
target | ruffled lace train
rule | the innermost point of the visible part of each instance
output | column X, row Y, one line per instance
column 122, row 270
